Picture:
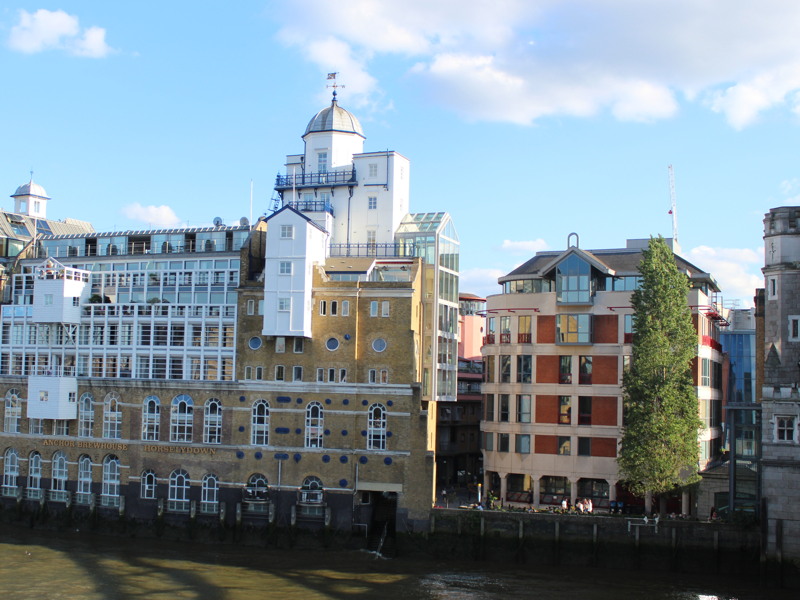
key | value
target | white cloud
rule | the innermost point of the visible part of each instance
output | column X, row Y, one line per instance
column 737, row 270
column 56, row 30
column 518, row 61
column 154, row 216
column 481, row 282
column 526, row 247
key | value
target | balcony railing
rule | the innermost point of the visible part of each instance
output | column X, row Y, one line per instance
column 373, row 250
column 298, row 180
column 58, row 371
column 58, row 495
column 505, row 338
column 488, row 338
column 523, row 338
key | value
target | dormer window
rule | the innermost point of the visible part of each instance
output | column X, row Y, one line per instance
column 573, row 281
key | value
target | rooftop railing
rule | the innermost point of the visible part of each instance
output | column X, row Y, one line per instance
column 342, row 177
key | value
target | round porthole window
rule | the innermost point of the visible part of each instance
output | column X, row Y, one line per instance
column 379, row 345
column 254, row 343
column 332, row 344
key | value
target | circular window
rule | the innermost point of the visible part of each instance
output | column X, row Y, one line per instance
column 379, row 345
column 254, row 343
column 332, row 344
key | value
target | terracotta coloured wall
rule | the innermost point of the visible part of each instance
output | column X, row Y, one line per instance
column 546, row 409
column 546, row 444
column 605, row 370
column 546, row 329
column 604, row 410
column 606, row 329
column 546, row 369
column 604, row 447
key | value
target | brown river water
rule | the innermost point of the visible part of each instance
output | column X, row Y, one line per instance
column 37, row 565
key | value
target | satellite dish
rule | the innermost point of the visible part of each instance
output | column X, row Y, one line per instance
column 244, row 222
column 217, row 221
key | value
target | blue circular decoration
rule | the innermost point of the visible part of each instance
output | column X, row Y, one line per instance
column 239, row 454
column 387, row 460
column 363, row 403
column 327, row 400
column 388, row 434
column 364, row 432
column 241, row 398
column 298, row 431
column 332, row 344
column 389, row 403
column 326, row 458
column 345, row 401
column 254, row 343
column 258, row 455
column 299, row 400
column 327, row 432
column 347, row 336
column 344, row 431
column 342, row 459
column 281, row 456
column 297, row 457
column 363, row 460
column 241, row 427
column 343, row 483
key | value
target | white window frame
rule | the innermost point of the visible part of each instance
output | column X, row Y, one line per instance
column 315, row 425
column 251, row 307
column 786, row 426
column 285, row 267
column 280, row 373
column 385, row 306
column 112, row 417
column 151, row 418
column 297, row 373
column 212, row 421
column 376, row 427
column 259, row 423
column 209, row 494
column 179, row 487
column 181, row 419
column 297, row 345
column 372, row 203
column 148, row 485
column 345, row 308
column 287, row 232
column 284, row 304
column 86, row 415
column 373, row 308
column 109, row 494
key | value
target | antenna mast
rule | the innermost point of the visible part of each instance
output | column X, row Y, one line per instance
column 673, row 209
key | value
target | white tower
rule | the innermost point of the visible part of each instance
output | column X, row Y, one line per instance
column 31, row 199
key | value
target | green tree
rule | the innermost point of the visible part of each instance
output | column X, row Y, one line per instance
column 659, row 448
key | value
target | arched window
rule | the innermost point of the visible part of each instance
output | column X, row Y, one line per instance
column 110, row 489
column 148, row 485
column 376, row 427
column 180, row 427
column 315, row 423
column 179, row 491
column 112, row 417
column 209, row 496
column 13, row 411
column 58, row 486
column 256, row 489
column 151, row 417
column 34, row 490
column 311, row 490
column 84, row 491
column 259, row 426
column 212, row 422
column 10, row 472
column 86, row 415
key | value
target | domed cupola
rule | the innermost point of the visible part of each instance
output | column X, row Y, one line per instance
column 31, row 199
column 334, row 118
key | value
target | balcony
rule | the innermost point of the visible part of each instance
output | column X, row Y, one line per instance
column 488, row 338
column 505, row 338
column 305, row 180
column 404, row 250
column 312, row 206
column 523, row 338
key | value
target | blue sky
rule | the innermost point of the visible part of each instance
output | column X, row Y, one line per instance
column 525, row 120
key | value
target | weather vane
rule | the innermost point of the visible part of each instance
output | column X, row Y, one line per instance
column 334, row 85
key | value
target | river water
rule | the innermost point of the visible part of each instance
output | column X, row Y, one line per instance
column 37, row 565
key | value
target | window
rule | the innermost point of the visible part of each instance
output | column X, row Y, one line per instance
column 151, row 417
column 13, row 412
column 147, row 485
column 784, row 429
column 573, row 282
column 181, row 419
column 332, row 344
column 179, row 491
column 563, row 445
column 345, row 308
column 112, row 417
column 35, row 426
column 84, row 490
column 334, row 308
column 772, row 287
column 489, row 406
column 385, row 308
column 284, row 304
column 209, row 495
column 376, row 427
column 110, row 489
column 259, row 423
column 372, row 202
column 584, row 446
column 343, row 375
column 287, row 232
column 794, row 328
column 10, row 472
column 48, row 299
column 251, row 307
column 58, row 487
column 280, row 344
column 372, row 238
column 705, row 372
column 378, row 376
column 584, row 410
column 379, row 344
column 502, row 442
column 34, row 490
column 314, row 425
column 297, row 373
column 505, row 368
column 323, row 307
column 280, row 373
column 212, row 422
column 373, row 308
column 565, row 369
column 585, row 370
column 574, row 329
column 524, row 329
column 285, row 267
column 254, row 343
column 564, row 410
column 488, row 441
column 298, row 345
column 524, row 368
column 61, row 427
column 524, row 408
column 322, row 162
column 522, row 443
column 504, row 408
column 373, row 169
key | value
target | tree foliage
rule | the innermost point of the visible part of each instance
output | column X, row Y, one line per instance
column 659, row 448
